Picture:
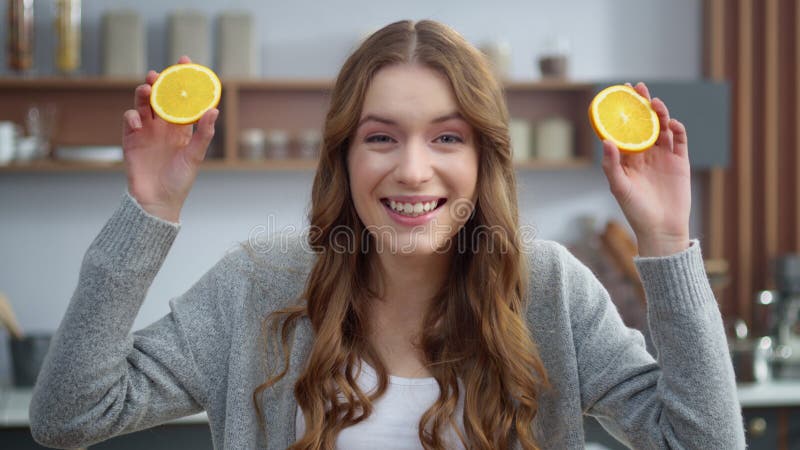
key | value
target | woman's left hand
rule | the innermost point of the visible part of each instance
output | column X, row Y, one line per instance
column 653, row 187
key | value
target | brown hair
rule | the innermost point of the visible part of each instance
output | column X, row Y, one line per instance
column 475, row 329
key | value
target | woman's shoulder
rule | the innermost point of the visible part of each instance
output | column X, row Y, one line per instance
column 278, row 261
column 544, row 257
column 554, row 272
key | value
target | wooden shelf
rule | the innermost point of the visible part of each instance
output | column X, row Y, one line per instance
column 89, row 82
column 208, row 165
column 214, row 165
column 90, row 109
column 567, row 164
column 94, row 83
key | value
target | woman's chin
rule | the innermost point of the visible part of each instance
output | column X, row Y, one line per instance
column 411, row 245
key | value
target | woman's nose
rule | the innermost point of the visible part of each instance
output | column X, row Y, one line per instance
column 414, row 164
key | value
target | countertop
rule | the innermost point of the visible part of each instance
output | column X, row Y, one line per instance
column 14, row 401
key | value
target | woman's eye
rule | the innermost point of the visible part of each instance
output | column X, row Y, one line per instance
column 450, row 139
column 379, row 138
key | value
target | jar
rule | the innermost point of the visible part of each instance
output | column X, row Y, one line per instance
column 520, row 133
column 277, row 144
column 554, row 139
column 20, row 35
column 498, row 53
column 68, row 35
column 310, row 141
column 252, row 143
column 554, row 58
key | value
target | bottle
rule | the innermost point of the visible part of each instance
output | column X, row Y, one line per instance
column 20, row 35
column 68, row 35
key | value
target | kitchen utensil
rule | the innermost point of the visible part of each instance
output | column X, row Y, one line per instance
column 8, row 318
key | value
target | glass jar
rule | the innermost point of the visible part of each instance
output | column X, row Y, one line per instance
column 68, row 35
column 252, row 144
column 20, row 35
column 310, row 141
column 277, row 144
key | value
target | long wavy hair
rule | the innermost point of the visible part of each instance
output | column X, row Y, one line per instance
column 474, row 329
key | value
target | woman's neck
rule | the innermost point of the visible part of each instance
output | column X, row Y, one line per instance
column 409, row 286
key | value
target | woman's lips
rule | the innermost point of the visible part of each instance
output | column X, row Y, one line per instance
column 415, row 220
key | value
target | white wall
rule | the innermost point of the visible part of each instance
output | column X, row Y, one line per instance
column 48, row 220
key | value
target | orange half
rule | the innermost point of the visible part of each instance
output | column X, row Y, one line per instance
column 620, row 114
column 183, row 92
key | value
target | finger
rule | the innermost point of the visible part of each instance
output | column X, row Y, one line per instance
column 202, row 135
column 663, row 113
column 131, row 122
column 641, row 88
column 681, row 140
column 141, row 101
column 151, row 77
column 665, row 134
column 612, row 168
column 184, row 60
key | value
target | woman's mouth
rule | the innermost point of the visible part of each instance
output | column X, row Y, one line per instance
column 413, row 209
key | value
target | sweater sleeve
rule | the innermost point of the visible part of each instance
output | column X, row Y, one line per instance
column 100, row 380
column 687, row 397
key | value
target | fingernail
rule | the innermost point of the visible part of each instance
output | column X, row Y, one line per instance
column 137, row 123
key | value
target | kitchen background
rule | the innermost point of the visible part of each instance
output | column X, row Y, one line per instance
column 48, row 219
column 728, row 68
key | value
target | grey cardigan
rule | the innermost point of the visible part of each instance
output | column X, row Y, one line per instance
column 100, row 379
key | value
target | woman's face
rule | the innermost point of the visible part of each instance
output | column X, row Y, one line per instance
column 413, row 162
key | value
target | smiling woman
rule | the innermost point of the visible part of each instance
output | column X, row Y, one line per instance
column 423, row 158
column 392, row 323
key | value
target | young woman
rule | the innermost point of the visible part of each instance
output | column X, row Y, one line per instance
column 413, row 314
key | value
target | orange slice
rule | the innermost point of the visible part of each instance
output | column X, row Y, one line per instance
column 183, row 92
column 620, row 114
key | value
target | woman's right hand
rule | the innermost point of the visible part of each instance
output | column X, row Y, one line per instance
column 162, row 159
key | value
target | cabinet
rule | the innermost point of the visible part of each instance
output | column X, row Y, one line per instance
column 90, row 113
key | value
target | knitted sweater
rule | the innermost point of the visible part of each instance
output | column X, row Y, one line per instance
column 100, row 379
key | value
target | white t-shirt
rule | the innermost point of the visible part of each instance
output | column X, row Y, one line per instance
column 394, row 422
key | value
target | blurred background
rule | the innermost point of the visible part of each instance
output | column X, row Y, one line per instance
column 728, row 70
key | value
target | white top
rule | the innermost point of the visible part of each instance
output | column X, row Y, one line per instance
column 394, row 422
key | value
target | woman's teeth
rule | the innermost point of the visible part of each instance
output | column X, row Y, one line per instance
column 412, row 209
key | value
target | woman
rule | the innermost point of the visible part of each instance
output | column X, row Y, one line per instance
column 412, row 314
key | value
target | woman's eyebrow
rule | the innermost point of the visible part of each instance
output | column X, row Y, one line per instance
column 376, row 118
